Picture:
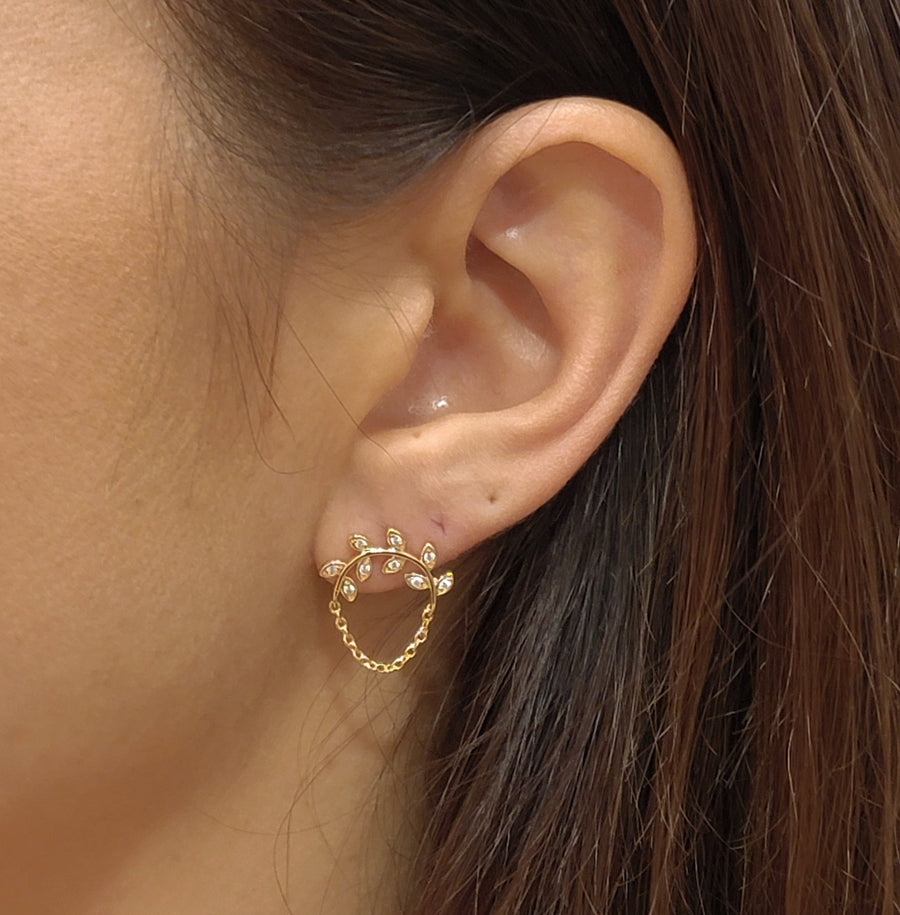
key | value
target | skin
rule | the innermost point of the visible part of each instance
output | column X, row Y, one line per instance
column 150, row 578
column 181, row 730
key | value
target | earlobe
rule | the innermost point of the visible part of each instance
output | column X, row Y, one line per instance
column 560, row 245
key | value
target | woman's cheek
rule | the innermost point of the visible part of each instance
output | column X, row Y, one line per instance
column 123, row 474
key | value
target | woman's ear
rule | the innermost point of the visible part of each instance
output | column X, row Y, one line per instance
column 544, row 265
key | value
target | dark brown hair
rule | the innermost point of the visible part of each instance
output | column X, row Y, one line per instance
column 678, row 690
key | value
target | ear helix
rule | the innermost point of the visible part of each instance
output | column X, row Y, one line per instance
column 349, row 574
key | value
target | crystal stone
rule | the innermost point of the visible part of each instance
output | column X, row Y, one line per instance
column 332, row 569
column 395, row 539
column 416, row 580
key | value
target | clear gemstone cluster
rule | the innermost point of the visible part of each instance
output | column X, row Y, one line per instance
column 396, row 558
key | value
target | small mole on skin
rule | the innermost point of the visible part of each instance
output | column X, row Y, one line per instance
column 492, row 498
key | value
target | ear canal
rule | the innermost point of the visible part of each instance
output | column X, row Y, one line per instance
column 489, row 348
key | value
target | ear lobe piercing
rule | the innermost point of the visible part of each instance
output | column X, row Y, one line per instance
column 349, row 574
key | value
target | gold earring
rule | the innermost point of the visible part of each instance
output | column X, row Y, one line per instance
column 347, row 577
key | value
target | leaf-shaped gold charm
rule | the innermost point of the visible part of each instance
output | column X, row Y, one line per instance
column 393, row 565
column 417, row 580
column 349, row 589
column 429, row 557
column 359, row 543
column 445, row 583
column 364, row 569
column 332, row 569
column 395, row 539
